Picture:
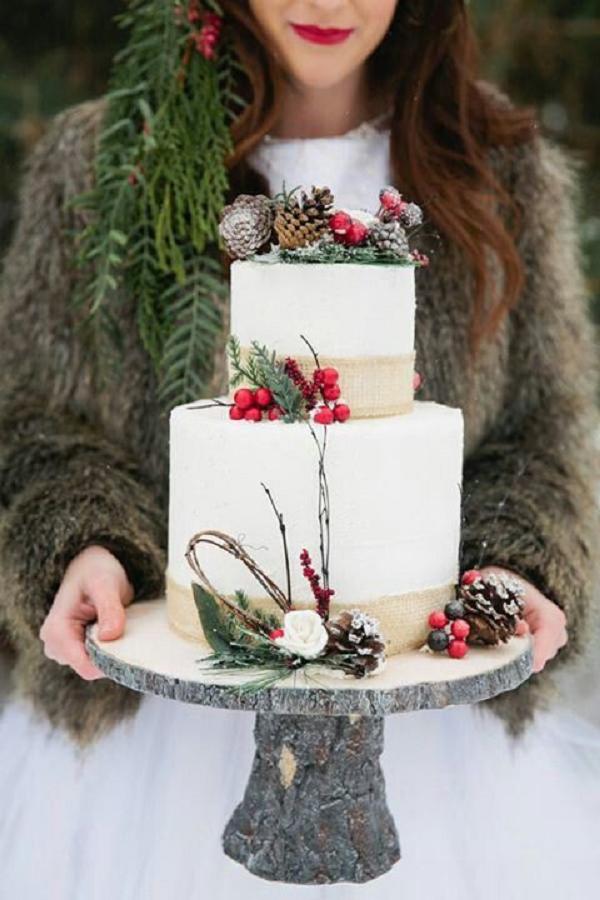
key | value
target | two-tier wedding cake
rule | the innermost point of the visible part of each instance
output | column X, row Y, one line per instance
column 320, row 449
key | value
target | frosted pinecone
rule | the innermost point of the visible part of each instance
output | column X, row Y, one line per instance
column 357, row 635
column 246, row 224
column 492, row 606
column 390, row 237
column 411, row 215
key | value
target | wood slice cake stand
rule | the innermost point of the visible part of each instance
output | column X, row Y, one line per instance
column 314, row 810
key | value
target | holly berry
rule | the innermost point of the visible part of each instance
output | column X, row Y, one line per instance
column 332, row 392
column 356, row 234
column 438, row 640
column 236, row 413
column 274, row 413
column 324, row 415
column 460, row 628
column 437, row 619
column 340, row 222
column 391, row 199
column 263, row 397
column 470, row 576
column 341, row 412
column 254, row 414
column 244, row 398
column 276, row 633
column 329, row 376
column 457, row 649
column 454, row 609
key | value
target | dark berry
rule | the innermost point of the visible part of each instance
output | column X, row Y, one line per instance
column 438, row 640
column 454, row 609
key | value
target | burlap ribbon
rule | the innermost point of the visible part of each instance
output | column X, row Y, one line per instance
column 402, row 617
column 372, row 386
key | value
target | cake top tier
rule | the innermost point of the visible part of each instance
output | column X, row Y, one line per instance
column 295, row 226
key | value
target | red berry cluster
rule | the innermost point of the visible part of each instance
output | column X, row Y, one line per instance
column 253, row 406
column 322, row 595
column 308, row 388
column 449, row 631
column 420, row 258
column 206, row 27
column 347, row 230
column 392, row 203
column 327, row 383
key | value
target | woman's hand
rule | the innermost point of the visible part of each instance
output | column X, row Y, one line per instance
column 94, row 585
column 542, row 618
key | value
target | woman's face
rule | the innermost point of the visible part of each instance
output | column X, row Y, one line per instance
column 321, row 42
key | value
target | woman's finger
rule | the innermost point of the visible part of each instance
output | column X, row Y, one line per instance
column 522, row 627
column 111, row 613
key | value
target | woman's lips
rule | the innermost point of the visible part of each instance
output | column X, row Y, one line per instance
column 322, row 35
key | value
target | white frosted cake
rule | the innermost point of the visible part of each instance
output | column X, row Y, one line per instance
column 394, row 468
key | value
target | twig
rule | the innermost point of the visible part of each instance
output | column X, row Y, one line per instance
column 282, row 529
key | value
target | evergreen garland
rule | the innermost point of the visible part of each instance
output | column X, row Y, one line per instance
column 160, row 185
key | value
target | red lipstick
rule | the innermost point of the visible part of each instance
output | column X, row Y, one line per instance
column 317, row 35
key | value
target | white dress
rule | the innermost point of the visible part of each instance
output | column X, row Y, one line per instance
column 139, row 815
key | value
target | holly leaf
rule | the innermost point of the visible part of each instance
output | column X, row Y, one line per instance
column 214, row 623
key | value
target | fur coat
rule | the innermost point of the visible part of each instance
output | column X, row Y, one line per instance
column 83, row 462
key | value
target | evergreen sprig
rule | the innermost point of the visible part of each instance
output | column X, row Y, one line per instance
column 273, row 375
column 160, row 185
column 332, row 252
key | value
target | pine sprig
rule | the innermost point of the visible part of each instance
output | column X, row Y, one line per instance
column 272, row 374
column 160, row 185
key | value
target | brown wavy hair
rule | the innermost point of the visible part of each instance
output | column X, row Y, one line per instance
column 443, row 125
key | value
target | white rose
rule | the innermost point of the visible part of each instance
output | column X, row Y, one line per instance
column 303, row 633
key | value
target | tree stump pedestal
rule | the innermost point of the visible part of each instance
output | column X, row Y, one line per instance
column 314, row 810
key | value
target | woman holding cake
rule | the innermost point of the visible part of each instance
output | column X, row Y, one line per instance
column 353, row 94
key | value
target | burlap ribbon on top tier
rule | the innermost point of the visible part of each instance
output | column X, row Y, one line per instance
column 372, row 386
column 402, row 617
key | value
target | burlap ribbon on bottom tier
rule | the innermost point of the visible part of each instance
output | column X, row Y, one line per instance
column 402, row 617
column 372, row 386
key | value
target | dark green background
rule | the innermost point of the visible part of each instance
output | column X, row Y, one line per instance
column 542, row 51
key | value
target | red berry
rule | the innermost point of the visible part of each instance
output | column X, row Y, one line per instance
column 276, row 633
column 263, row 397
column 244, row 398
column 318, row 376
column 356, row 234
column 390, row 198
column 329, row 376
column 460, row 628
column 274, row 413
column 236, row 413
column 332, row 392
column 254, row 414
column 340, row 222
column 341, row 412
column 437, row 619
column 470, row 576
column 324, row 415
column 457, row 649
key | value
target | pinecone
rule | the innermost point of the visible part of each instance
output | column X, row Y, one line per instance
column 492, row 605
column 245, row 225
column 411, row 215
column 357, row 634
column 389, row 236
column 299, row 223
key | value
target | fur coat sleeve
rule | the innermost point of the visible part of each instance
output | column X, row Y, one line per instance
column 65, row 483
column 530, row 485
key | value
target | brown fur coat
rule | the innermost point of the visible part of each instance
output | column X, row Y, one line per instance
column 81, row 463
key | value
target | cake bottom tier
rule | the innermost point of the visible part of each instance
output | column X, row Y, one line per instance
column 393, row 488
column 402, row 619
